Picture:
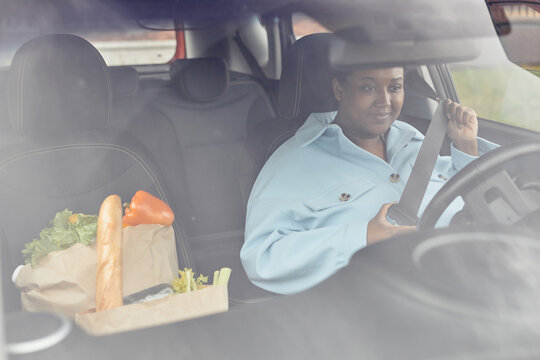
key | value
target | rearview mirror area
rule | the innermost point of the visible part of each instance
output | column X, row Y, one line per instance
column 346, row 55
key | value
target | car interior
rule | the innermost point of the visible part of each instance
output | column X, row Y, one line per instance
column 195, row 132
column 197, row 119
column 201, row 130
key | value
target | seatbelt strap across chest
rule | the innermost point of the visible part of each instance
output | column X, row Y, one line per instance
column 405, row 212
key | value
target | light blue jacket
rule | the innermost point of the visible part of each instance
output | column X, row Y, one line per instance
column 299, row 231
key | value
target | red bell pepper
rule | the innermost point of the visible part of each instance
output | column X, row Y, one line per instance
column 147, row 209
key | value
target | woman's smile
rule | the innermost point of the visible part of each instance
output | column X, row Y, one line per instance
column 380, row 116
column 369, row 102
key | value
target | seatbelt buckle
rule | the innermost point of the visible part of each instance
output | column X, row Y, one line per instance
column 398, row 217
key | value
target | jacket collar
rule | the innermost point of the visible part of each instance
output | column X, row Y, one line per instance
column 397, row 137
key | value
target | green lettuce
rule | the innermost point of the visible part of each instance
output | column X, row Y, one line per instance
column 67, row 229
column 186, row 282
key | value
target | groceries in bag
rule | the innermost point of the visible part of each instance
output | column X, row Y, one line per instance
column 61, row 271
column 145, row 208
column 109, row 254
column 67, row 229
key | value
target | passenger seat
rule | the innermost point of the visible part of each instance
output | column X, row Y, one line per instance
column 65, row 153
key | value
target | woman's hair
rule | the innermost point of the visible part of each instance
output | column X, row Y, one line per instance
column 341, row 76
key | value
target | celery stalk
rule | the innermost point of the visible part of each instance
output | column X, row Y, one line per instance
column 224, row 275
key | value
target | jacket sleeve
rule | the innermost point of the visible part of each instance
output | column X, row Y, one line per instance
column 284, row 252
column 461, row 159
column 448, row 166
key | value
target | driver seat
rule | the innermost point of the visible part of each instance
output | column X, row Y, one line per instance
column 305, row 87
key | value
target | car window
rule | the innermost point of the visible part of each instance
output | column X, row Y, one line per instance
column 304, row 25
column 519, row 30
column 503, row 85
column 120, row 43
column 133, row 45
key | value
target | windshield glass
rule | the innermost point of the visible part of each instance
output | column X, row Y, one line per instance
column 498, row 89
column 265, row 141
column 502, row 84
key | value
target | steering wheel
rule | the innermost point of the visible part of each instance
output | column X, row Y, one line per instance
column 489, row 193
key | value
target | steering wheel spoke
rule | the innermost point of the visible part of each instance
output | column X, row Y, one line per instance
column 489, row 192
column 497, row 200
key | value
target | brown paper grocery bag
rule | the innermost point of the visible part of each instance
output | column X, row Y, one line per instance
column 64, row 281
column 173, row 308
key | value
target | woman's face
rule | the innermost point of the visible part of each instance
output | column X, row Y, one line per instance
column 369, row 100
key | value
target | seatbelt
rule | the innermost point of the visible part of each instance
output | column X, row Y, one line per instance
column 256, row 69
column 254, row 66
column 405, row 212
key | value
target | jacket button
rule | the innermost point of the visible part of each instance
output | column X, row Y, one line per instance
column 344, row 197
column 394, row 177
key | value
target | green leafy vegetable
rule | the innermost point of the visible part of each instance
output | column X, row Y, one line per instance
column 67, row 229
column 186, row 281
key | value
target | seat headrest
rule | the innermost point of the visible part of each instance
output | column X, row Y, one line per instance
column 58, row 83
column 124, row 81
column 306, row 78
column 200, row 79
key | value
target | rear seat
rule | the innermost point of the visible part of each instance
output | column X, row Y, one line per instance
column 127, row 98
column 206, row 109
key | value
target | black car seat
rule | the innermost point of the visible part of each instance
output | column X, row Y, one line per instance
column 305, row 87
column 65, row 154
column 127, row 100
column 206, row 108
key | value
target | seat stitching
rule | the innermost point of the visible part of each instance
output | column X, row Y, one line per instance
column 109, row 86
column 276, row 140
column 263, row 94
column 298, row 81
column 20, row 76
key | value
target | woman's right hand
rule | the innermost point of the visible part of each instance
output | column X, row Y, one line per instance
column 379, row 228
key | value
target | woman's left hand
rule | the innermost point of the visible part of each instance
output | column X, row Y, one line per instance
column 462, row 127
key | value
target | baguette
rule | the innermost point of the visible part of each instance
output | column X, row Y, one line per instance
column 109, row 254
